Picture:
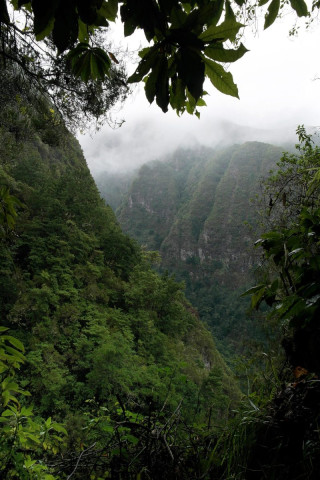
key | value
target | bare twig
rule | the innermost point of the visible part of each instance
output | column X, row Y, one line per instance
column 79, row 458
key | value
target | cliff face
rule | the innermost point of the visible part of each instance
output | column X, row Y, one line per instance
column 225, row 240
column 158, row 196
column 195, row 212
column 196, row 209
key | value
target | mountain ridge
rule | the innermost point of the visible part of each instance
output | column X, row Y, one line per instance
column 194, row 208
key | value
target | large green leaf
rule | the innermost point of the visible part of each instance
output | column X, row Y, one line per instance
column 83, row 34
column 229, row 12
column 257, row 295
column 144, row 14
column 184, row 38
column 220, row 54
column 94, row 68
column 157, row 84
column 207, row 14
column 191, row 71
column 214, row 15
column 59, row 428
column 43, row 14
column 14, row 341
column 100, row 64
column 89, row 63
column 100, row 21
column 257, row 298
column 80, row 48
column 162, row 94
column 129, row 27
column 252, row 290
column 15, row 353
column 87, row 11
column 65, row 30
column 221, row 79
column 177, row 16
column 177, row 95
column 46, row 31
column 142, row 53
column 109, row 9
column 300, row 7
column 272, row 13
column 225, row 31
column 147, row 62
column 151, row 83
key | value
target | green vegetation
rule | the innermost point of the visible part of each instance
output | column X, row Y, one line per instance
column 274, row 434
column 291, row 251
column 286, row 431
column 112, row 350
column 62, row 48
column 27, row 442
column 196, row 208
column 105, row 369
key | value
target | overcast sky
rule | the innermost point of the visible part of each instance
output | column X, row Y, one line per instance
column 277, row 88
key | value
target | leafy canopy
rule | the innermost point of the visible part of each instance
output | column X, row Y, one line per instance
column 187, row 41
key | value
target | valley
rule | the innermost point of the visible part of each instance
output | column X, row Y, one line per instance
column 199, row 209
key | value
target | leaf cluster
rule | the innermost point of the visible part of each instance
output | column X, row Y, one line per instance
column 83, row 84
column 26, row 442
column 8, row 213
column 291, row 248
column 187, row 44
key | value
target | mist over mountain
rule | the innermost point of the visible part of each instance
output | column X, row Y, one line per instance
column 195, row 207
column 134, row 144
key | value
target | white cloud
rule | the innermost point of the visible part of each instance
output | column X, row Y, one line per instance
column 277, row 92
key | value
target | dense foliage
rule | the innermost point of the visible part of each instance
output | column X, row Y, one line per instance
column 286, row 433
column 113, row 350
column 290, row 248
column 188, row 42
column 39, row 69
column 275, row 433
column 125, row 380
column 24, row 438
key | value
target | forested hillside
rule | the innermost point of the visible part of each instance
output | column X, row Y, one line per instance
column 197, row 209
column 107, row 340
column 275, row 434
column 106, row 370
column 124, row 379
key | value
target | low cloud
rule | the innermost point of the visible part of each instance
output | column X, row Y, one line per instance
column 277, row 92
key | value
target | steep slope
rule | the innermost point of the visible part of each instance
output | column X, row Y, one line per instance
column 115, row 186
column 158, row 194
column 98, row 323
column 195, row 209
